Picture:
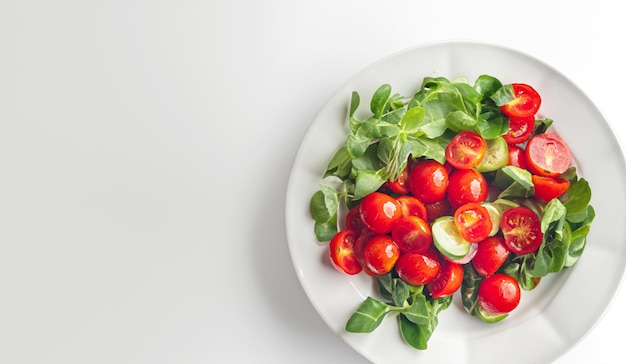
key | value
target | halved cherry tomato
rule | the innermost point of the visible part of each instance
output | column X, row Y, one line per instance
column 379, row 211
column 342, row 253
column 526, row 102
column 466, row 149
column 447, row 281
column 499, row 294
column 547, row 188
column 417, row 269
column 520, row 129
column 491, row 254
column 516, row 157
column 380, row 255
column 438, row 209
column 473, row 222
column 354, row 221
column 428, row 181
column 401, row 184
column 466, row 185
column 412, row 206
column 547, row 155
column 521, row 229
column 412, row 234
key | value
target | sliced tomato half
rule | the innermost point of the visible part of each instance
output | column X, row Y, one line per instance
column 547, row 155
column 526, row 102
column 521, row 229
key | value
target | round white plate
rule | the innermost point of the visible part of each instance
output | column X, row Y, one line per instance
column 550, row 319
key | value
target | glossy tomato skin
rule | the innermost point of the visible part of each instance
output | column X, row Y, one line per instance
column 517, row 157
column 473, row 222
column 467, row 185
column 526, row 103
column 521, row 229
column 412, row 206
column 380, row 255
column 520, row 129
column 438, row 209
column 547, row 155
column 466, row 150
column 342, row 253
column 354, row 221
column 412, row 234
column 447, row 281
column 417, row 269
column 499, row 294
column 379, row 211
column 491, row 254
column 401, row 184
column 547, row 188
column 428, row 181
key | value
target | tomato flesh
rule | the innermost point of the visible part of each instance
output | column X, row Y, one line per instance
column 428, row 181
column 417, row 269
column 412, row 234
column 466, row 150
column 473, row 222
column 526, row 102
column 447, row 281
column 342, row 253
column 547, row 155
column 520, row 129
column 491, row 254
column 499, row 294
column 521, row 229
column 379, row 211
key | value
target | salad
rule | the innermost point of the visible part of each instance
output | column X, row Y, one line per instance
column 459, row 189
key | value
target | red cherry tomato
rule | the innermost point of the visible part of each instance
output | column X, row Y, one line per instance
column 491, row 254
column 379, row 211
column 467, row 185
column 412, row 234
column 417, row 269
column 380, row 255
column 547, row 155
column 411, row 206
column 520, row 129
column 428, row 181
column 521, row 229
column 447, row 281
column 516, row 157
column 547, row 188
column 466, row 149
column 499, row 294
column 354, row 221
column 438, row 209
column 473, row 222
column 359, row 248
column 526, row 102
column 401, row 184
column 342, row 254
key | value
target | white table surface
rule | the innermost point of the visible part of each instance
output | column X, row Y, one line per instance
column 145, row 148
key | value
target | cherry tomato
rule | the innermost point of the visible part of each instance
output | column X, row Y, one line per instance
column 412, row 206
column 547, row 155
column 354, row 221
column 491, row 254
column 521, row 229
column 417, row 269
column 466, row 149
column 473, row 222
column 401, row 184
column 526, row 102
column 447, row 281
column 516, row 157
column 359, row 248
column 499, row 294
column 438, row 209
column 412, row 234
column 428, row 181
column 547, row 188
column 342, row 254
column 520, row 129
column 380, row 255
column 379, row 211
column 467, row 185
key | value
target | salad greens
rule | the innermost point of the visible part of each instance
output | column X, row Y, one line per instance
column 377, row 149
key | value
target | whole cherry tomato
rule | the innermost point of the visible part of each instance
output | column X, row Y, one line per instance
column 417, row 269
column 499, row 294
column 428, row 181
column 467, row 185
column 379, row 211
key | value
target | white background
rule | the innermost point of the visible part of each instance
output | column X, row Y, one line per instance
column 145, row 148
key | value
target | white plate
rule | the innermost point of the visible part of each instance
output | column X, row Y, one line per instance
column 549, row 320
